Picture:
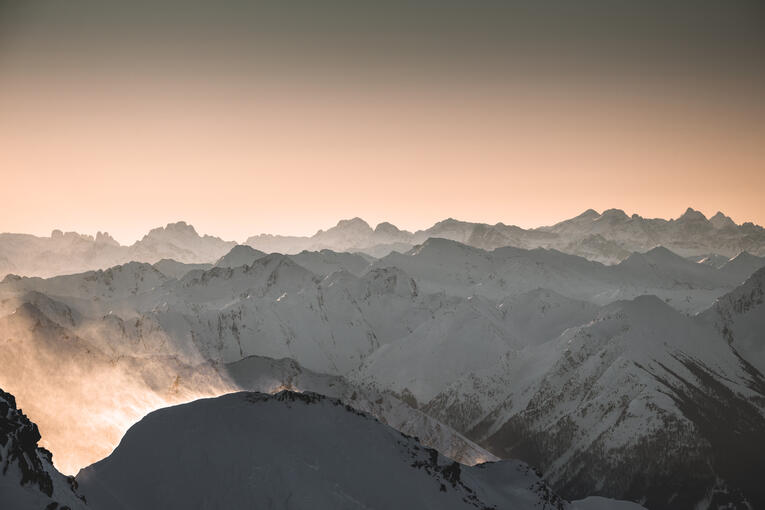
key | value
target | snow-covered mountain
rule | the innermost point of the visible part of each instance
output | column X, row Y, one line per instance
column 289, row 450
column 28, row 479
column 739, row 316
column 638, row 402
column 469, row 337
column 117, row 370
column 441, row 265
column 266, row 375
column 331, row 324
column 531, row 353
column 83, row 391
column 293, row 450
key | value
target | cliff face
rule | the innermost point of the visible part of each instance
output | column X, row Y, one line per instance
column 27, row 476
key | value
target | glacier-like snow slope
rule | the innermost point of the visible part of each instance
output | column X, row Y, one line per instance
column 292, row 450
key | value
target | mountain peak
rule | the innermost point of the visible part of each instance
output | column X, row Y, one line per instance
column 239, row 255
column 105, row 238
column 662, row 252
column 448, row 222
column 719, row 220
column 691, row 214
column 614, row 214
column 179, row 228
column 353, row 223
column 589, row 213
column 386, row 228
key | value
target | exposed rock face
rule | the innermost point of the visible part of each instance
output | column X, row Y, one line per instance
column 18, row 438
column 27, row 476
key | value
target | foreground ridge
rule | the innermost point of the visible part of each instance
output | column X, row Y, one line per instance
column 301, row 450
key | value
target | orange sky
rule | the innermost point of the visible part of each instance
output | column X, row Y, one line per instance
column 240, row 161
column 124, row 144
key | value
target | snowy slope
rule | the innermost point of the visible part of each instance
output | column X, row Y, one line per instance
column 739, row 316
column 642, row 391
column 267, row 375
column 251, row 450
column 441, row 265
column 53, row 354
column 466, row 336
column 455, row 341
column 82, row 398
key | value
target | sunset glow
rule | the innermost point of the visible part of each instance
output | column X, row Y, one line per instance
column 239, row 141
column 437, row 254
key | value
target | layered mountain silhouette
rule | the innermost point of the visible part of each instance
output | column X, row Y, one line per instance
column 626, row 380
column 608, row 238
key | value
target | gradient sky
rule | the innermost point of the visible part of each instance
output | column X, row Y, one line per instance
column 283, row 117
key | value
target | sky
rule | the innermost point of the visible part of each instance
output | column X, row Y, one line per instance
column 244, row 117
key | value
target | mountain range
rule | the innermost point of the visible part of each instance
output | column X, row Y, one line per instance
column 255, row 450
column 607, row 237
column 639, row 380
